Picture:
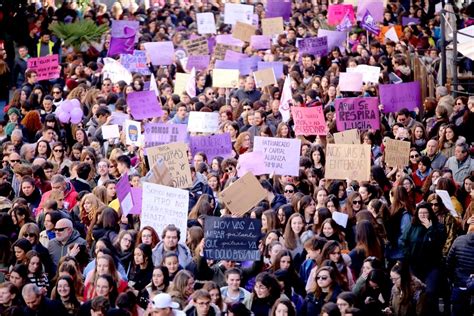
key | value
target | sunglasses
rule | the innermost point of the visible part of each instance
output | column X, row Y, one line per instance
column 56, row 92
column 31, row 235
column 289, row 191
column 324, row 278
column 414, row 156
column 60, row 229
column 357, row 202
column 59, row 150
column 434, row 204
column 15, row 160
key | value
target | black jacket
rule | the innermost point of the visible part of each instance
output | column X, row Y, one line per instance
column 460, row 259
column 46, row 307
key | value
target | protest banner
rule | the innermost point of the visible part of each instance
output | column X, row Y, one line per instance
column 369, row 73
column 163, row 133
column 345, row 161
column 264, row 78
column 359, row 113
column 282, row 155
column 351, row 136
column 236, row 12
column 46, row 67
column 278, row 8
column 199, row 62
column 197, row 46
column 309, row 121
column 335, row 38
column 225, row 78
column 133, row 131
column 114, row 71
column 243, row 194
column 110, row 131
column 394, row 97
column 350, row 81
column 243, row 31
column 175, row 156
column 276, row 65
column 136, row 62
column 124, row 194
column 181, row 82
column 206, row 23
column 161, row 53
column 144, row 104
column 221, row 49
column 203, row 122
column 235, row 239
column 212, row 145
column 258, row 42
column 162, row 206
column 397, row 153
column 121, row 45
column 375, row 7
column 272, row 26
column 252, row 162
column 336, row 13
column 317, row 46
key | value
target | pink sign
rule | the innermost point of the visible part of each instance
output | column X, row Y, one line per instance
column 161, row 53
column 46, row 67
column 144, row 104
column 309, row 121
column 336, row 13
column 357, row 113
column 251, row 162
column 350, row 81
column 260, row 42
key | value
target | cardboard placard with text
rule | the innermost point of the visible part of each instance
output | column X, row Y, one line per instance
column 397, row 152
column 196, row 47
column 264, row 77
column 272, row 26
column 351, row 136
column 345, row 161
column 221, row 49
column 243, row 31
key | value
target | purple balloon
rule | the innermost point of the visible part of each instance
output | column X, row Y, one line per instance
column 76, row 115
column 75, row 103
column 66, row 106
column 63, row 116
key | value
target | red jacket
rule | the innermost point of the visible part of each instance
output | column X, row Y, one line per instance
column 70, row 196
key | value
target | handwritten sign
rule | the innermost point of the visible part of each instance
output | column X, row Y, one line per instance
column 351, row 136
column 360, row 113
column 114, row 71
column 272, row 26
column 46, row 67
column 203, row 122
column 199, row 62
column 162, row 133
column 276, row 65
column 225, row 78
column 394, row 97
column 136, row 62
column 350, row 81
column 397, row 153
column 347, row 162
column 252, row 162
column 221, row 49
column 309, row 121
column 206, row 24
column 197, row 46
column 317, row 46
column 243, row 31
column 243, row 194
column 175, row 156
column 282, row 155
column 264, row 77
column 163, row 205
column 144, row 104
column 235, row 239
column 161, row 53
column 213, row 145
column 235, row 12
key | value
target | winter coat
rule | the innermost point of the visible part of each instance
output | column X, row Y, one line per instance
column 57, row 249
column 312, row 305
column 460, row 260
column 460, row 172
column 417, row 304
column 184, row 255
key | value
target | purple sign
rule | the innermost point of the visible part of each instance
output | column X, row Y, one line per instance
column 212, row 146
column 225, row 64
column 161, row 53
column 230, row 55
column 407, row 20
column 211, row 44
column 144, row 104
column 123, row 45
column 124, row 194
column 335, row 38
column 137, row 201
column 260, row 42
column 375, row 7
column 248, row 65
column 357, row 113
column 121, row 28
column 278, row 8
column 229, row 40
column 157, row 134
column 276, row 65
column 200, row 62
column 394, row 97
column 313, row 45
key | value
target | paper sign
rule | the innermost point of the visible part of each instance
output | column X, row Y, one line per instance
column 228, row 39
column 248, row 65
column 347, row 137
column 276, row 65
column 226, row 64
column 444, row 195
column 264, row 78
column 206, row 23
column 260, row 42
column 340, row 218
column 335, row 38
column 391, row 34
column 350, row 81
column 336, row 13
column 375, row 7
column 200, row 62
column 197, row 46
column 359, row 113
column 252, row 162
column 278, row 8
column 221, row 49
column 161, row 53
column 243, row 31
column 309, row 121
column 46, row 67
column 114, row 71
column 137, row 201
column 180, row 82
column 175, row 156
column 235, row 12
column 348, row 162
column 124, row 194
column 136, row 62
column 230, row 55
column 282, row 155
column 133, row 132
column 225, row 78
column 317, row 46
column 397, row 153
column 162, row 133
column 369, row 73
column 410, row 21
column 203, row 122
column 272, row 26
column 144, row 104
column 213, row 145
column 162, row 206
column 110, row 131
column 243, row 194
column 235, row 239
column 394, row 97
column 122, row 28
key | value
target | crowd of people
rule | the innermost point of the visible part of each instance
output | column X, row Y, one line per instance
column 66, row 248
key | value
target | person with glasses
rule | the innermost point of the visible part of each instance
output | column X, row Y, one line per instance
column 201, row 305
column 59, row 158
column 326, row 289
column 66, row 236
column 265, row 293
column 459, row 108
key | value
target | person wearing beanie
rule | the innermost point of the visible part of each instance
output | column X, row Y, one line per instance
column 13, row 120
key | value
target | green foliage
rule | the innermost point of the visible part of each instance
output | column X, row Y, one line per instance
column 75, row 34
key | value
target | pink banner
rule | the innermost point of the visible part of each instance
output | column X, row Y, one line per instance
column 336, row 13
column 357, row 113
column 46, row 67
column 309, row 121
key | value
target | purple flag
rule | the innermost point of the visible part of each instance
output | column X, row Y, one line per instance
column 368, row 23
column 345, row 24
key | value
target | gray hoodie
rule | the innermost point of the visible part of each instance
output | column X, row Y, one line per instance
column 57, row 249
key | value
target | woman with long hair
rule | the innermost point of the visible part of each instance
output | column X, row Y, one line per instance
column 160, row 281
column 36, row 274
column 448, row 140
column 293, row 231
column 318, row 160
column 243, row 143
column 142, row 267
column 148, row 235
column 58, row 157
column 326, row 289
column 265, row 293
column 104, row 265
column 367, row 244
column 307, row 208
column 182, row 288
column 124, row 244
column 30, row 192
column 42, row 149
column 332, row 251
column 283, row 261
column 66, row 294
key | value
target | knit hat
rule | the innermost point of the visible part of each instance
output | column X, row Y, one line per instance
column 12, row 110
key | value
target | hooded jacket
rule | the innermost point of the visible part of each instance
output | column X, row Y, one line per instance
column 70, row 196
column 57, row 249
column 460, row 260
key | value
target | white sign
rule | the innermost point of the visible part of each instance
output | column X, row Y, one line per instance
column 163, row 205
column 115, row 71
column 234, row 12
column 281, row 155
column 206, row 23
column 391, row 34
column 444, row 195
column 340, row 218
column 110, row 131
column 133, row 131
column 203, row 122
column 369, row 73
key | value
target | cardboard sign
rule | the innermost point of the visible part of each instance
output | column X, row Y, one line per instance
column 243, row 194
column 163, row 133
column 133, row 132
column 278, row 8
column 350, row 81
column 110, row 131
column 359, row 113
column 282, row 155
column 252, row 162
column 369, row 73
column 162, row 205
column 175, row 156
column 161, row 53
column 309, row 121
column 317, row 46
column 347, row 137
column 203, row 122
column 159, row 173
column 199, row 62
column 225, row 78
column 206, row 23
column 276, row 65
column 46, row 67
column 235, row 239
column 264, row 78
column 213, row 145
column 397, row 153
column 144, row 104
column 260, row 42
column 394, row 97
column 235, row 12
column 221, row 49
column 243, row 31
column 197, row 46
column 181, row 82
column 336, row 13
column 272, row 26
column 347, row 162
